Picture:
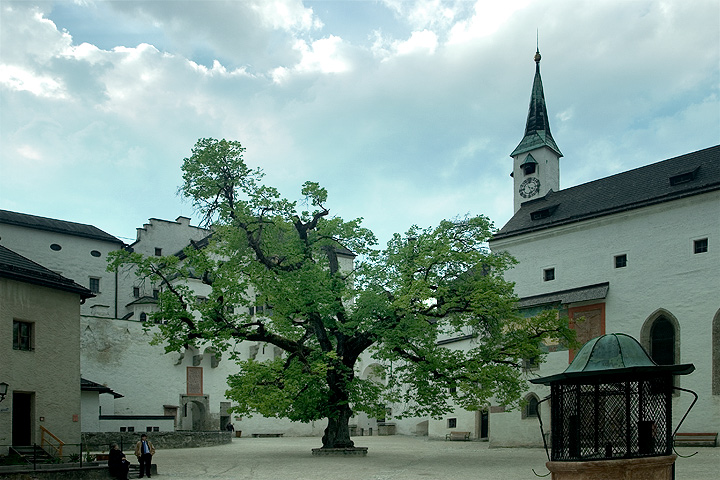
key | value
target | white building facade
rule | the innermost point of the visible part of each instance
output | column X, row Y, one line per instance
column 39, row 326
column 635, row 253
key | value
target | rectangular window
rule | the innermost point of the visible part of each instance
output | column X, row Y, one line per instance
column 452, row 422
column 94, row 285
column 136, row 292
column 156, row 293
column 620, row 261
column 531, row 363
column 700, row 246
column 548, row 274
column 22, row 335
column 123, row 429
column 158, row 252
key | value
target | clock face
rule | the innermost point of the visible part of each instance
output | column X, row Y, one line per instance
column 529, row 187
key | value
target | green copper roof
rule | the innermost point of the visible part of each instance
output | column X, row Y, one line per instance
column 614, row 354
column 537, row 128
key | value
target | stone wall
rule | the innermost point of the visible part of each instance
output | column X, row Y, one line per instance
column 99, row 441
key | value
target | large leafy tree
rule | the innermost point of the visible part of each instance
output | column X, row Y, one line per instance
column 394, row 303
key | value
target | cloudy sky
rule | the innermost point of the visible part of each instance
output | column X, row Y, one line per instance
column 406, row 111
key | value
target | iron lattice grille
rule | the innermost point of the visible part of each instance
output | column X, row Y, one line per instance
column 611, row 419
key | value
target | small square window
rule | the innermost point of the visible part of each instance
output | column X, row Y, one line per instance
column 94, row 285
column 131, row 429
column 148, row 429
column 620, row 261
column 158, row 252
column 452, row 423
column 22, row 335
column 123, row 429
column 531, row 363
column 548, row 274
column 700, row 246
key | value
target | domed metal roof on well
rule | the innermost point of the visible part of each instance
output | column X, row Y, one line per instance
column 614, row 354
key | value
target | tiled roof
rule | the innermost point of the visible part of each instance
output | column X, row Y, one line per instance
column 17, row 267
column 672, row 179
column 90, row 386
column 573, row 295
column 53, row 225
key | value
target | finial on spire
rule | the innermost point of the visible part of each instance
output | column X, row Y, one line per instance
column 537, row 46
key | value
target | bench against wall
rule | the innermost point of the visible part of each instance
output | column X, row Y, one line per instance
column 686, row 439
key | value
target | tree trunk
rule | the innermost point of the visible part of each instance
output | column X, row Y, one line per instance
column 337, row 433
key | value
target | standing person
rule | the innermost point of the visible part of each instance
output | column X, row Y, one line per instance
column 144, row 451
column 117, row 463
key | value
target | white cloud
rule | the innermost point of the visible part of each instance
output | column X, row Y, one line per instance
column 423, row 14
column 40, row 38
column 21, row 79
column 412, row 140
column 289, row 15
column 488, row 17
column 326, row 55
column 29, row 152
column 419, row 42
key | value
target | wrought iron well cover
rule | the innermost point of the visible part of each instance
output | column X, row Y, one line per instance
column 612, row 401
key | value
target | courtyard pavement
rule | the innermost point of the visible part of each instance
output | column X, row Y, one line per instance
column 389, row 458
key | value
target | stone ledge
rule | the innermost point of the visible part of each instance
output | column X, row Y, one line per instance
column 644, row 468
column 357, row 451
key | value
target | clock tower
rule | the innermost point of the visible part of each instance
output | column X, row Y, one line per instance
column 536, row 160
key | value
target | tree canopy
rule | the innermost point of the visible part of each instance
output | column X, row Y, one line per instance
column 332, row 295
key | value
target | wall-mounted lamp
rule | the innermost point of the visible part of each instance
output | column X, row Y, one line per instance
column 3, row 390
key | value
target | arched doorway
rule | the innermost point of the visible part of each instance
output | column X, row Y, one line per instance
column 194, row 413
column 366, row 425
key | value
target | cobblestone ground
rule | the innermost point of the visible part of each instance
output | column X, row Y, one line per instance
column 389, row 458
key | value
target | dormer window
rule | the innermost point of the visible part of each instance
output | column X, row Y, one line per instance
column 529, row 166
column 543, row 213
column 684, row 177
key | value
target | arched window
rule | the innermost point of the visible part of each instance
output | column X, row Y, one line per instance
column 531, row 410
column 662, row 341
column 660, row 336
column 143, row 317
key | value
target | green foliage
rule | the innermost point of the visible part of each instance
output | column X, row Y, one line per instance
column 397, row 303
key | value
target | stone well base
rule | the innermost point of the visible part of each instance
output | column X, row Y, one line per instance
column 358, row 451
column 648, row 468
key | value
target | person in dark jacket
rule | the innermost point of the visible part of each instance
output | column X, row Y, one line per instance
column 117, row 463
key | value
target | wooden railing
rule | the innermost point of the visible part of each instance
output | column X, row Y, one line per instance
column 57, row 447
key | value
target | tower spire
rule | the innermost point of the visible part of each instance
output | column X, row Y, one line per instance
column 537, row 127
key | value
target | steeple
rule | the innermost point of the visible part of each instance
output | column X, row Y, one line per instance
column 537, row 127
column 536, row 160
